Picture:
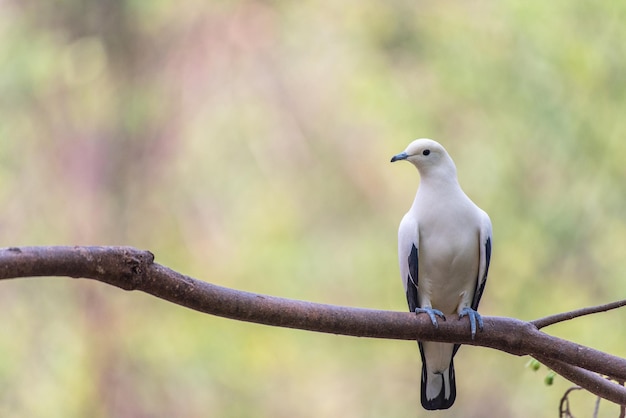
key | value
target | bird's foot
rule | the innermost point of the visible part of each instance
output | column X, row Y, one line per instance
column 431, row 314
column 474, row 318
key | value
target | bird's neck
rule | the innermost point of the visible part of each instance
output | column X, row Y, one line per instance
column 439, row 180
column 440, row 177
column 438, row 187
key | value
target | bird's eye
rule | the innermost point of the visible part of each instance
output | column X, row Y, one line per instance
column 426, row 152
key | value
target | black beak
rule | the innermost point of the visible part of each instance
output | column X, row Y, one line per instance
column 401, row 156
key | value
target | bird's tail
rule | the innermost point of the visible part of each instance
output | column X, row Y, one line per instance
column 438, row 389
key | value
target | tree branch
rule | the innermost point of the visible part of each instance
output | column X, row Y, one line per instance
column 132, row 269
column 593, row 382
column 566, row 316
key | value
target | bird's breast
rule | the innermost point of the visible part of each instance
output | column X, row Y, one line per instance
column 448, row 260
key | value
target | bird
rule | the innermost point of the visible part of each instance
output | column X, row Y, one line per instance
column 444, row 251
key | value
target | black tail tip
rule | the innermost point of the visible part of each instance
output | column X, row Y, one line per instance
column 440, row 401
column 437, row 403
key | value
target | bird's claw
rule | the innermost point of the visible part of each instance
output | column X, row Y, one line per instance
column 431, row 314
column 474, row 317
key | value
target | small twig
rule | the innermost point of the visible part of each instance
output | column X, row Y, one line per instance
column 596, row 409
column 564, row 410
column 566, row 316
column 622, row 408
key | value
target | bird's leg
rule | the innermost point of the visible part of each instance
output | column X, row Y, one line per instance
column 474, row 318
column 431, row 314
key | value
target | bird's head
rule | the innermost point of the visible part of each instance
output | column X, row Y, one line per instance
column 422, row 152
column 428, row 156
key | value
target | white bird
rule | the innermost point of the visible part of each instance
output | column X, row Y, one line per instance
column 444, row 247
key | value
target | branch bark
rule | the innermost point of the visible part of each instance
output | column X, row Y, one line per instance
column 132, row 269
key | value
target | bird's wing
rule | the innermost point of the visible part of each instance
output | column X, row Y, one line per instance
column 486, row 239
column 408, row 252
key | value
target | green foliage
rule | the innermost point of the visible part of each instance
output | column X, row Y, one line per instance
column 247, row 143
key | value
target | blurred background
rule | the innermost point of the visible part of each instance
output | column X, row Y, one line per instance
column 247, row 143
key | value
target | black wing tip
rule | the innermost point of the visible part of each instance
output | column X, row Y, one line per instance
column 480, row 286
column 413, row 265
column 411, row 280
